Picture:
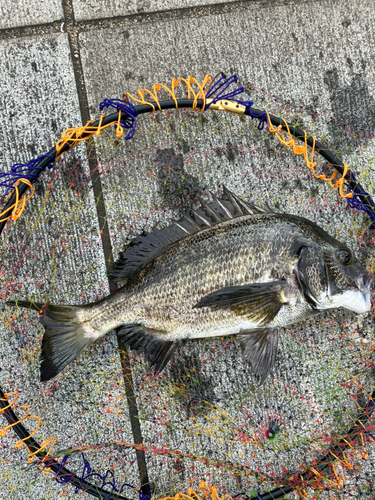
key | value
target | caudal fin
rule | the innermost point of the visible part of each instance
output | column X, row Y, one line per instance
column 63, row 340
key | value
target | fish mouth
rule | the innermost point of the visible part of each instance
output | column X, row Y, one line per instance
column 364, row 286
column 358, row 300
column 353, row 300
column 364, row 283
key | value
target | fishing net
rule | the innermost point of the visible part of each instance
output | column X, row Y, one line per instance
column 109, row 426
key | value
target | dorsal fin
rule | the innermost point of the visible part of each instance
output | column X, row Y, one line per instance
column 146, row 247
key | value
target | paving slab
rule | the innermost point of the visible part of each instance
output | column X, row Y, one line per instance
column 304, row 63
column 19, row 13
column 286, row 54
column 48, row 257
column 39, row 98
column 89, row 9
column 200, row 416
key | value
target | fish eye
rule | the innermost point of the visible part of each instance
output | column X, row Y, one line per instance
column 344, row 257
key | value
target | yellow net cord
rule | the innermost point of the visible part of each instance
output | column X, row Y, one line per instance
column 22, row 442
column 72, row 136
column 209, row 493
column 302, row 150
column 200, row 94
column 18, row 206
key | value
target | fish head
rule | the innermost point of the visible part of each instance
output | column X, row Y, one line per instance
column 331, row 277
column 349, row 283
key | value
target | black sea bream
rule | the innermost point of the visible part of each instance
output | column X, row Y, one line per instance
column 229, row 268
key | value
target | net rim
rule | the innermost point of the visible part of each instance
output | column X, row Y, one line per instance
column 41, row 166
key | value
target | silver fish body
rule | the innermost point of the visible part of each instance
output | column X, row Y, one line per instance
column 252, row 249
column 228, row 268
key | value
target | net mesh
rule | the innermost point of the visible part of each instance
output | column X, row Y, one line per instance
column 204, row 418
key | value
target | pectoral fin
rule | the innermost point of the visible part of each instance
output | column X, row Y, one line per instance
column 259, row 347
column 258, row 301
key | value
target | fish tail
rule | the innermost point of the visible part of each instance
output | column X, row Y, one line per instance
column 63, row 340
column 65, row 337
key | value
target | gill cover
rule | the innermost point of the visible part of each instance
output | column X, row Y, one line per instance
column 312, row 275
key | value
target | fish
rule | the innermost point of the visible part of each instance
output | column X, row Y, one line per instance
column 227, row 268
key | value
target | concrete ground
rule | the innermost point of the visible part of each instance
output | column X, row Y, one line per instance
column 59, row 60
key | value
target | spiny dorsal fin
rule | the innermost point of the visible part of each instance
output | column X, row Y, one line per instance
column 220, row 208
column 199, row 217
column 246, row 207
column 146, row 247
column 237, row 211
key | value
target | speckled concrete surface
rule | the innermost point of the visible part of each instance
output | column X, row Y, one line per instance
column 20, row 13
column 89, row 9
column 311, row 55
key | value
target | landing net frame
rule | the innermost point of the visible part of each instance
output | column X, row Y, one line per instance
column 357, row 198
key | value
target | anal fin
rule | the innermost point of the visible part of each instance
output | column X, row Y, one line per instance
column 157, row 351
column 259, row 347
